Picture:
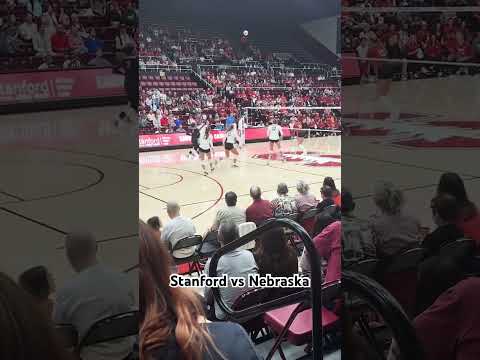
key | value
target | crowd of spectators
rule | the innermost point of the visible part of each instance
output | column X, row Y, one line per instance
column 414, row 36
column 407, row 3
column 437, row 282
column 43, row 35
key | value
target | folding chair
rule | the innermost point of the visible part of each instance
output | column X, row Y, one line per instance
column 365, row 267
column 293, row 323
column 459, row 249
column 249, row 298
column 244, row 229
column 193, row 260
column 399, row 276
column 111, row 328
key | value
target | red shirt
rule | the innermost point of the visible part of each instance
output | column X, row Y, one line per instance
column 164, row 121
column 329, row 247
column 471, row 229
column 464, row 50
column 59, row 42
column 259, row 211
column 450, row 328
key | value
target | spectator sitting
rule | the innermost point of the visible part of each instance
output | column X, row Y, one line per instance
column 26, row 332
column 450, row 328
column 72, row 61
column 284, row 204
column 94, row 293
column 393, row 232
column 328, row 181
column 445, row 211
column 41, row 43
column 238, row 263
column 329, row 248
column 304, row 200
column 469, row 220
column 274, row 256
column 92, row 43
column 357, row 238
column 59, row 41
column 39, row 283
column 99, row 60
column 27, row 29
column 260, row 210
column 230, row 213
column 327, row 198
column 123, row 40
column 178, row 228
column 188, row 333
column 76, row 41
column 155, row 223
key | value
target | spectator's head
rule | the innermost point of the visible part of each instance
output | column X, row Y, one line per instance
column 81, row 249
column 388, row 198
column 231, row 198
column 173, row 209
column 99, row 53
column 155, row 223
column 451, row 183
column 326, row 192
column 39, row 283
column 445, row 209
column 273, row 242
column 328, row 181
column 282, row 189
column 166, row 310
column 228, row 232
column 348, row 204
column 26, row 332
column 303, row 187
column 255, row 192
column 92, row 33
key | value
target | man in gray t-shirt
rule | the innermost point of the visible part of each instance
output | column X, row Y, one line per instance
column 176, row 229
column 237, row 263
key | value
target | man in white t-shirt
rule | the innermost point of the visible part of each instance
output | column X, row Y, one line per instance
column 94, row 293
column 178, row 228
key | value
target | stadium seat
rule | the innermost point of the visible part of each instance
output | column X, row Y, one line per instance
column 194, row 259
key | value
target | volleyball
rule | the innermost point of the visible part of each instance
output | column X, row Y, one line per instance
column 245, row 32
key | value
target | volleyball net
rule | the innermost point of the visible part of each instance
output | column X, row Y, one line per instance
column 307, row 122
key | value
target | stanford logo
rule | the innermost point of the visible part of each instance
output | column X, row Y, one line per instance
column 415, row 130
column 310, row 158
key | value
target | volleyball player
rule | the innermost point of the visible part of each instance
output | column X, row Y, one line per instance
column 193, row 153
column 275, row 135
column 205, row 148
column 230, row 142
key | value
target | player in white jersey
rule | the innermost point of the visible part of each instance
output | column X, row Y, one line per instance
column 275, row 135
column 205, row 148
column 230, row 142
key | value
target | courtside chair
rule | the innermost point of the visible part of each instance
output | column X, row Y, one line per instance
column 459, row 249
column 112, row 328
column 365, row 267
column 194, row 259
column 307, row 220
column 399, row 277
column 293, row 323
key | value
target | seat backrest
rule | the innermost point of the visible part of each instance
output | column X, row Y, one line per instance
column 250, row 298
column 366, row 267
column 113, row 327
column 331, row 291
column 311, row 213
column 244, row 229
column 407, row 260
column 187, row 242
column 458, row 249
column 67, row 335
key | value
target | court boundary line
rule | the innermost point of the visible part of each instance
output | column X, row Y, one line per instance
column 165, row 185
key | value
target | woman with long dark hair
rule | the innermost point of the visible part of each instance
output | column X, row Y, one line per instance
column 26, row 332
column 173, row 325
column 469, row 219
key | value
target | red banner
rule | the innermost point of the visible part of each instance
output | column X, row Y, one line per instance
column 179, row 139
column 60, row 85
column 350, row 68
